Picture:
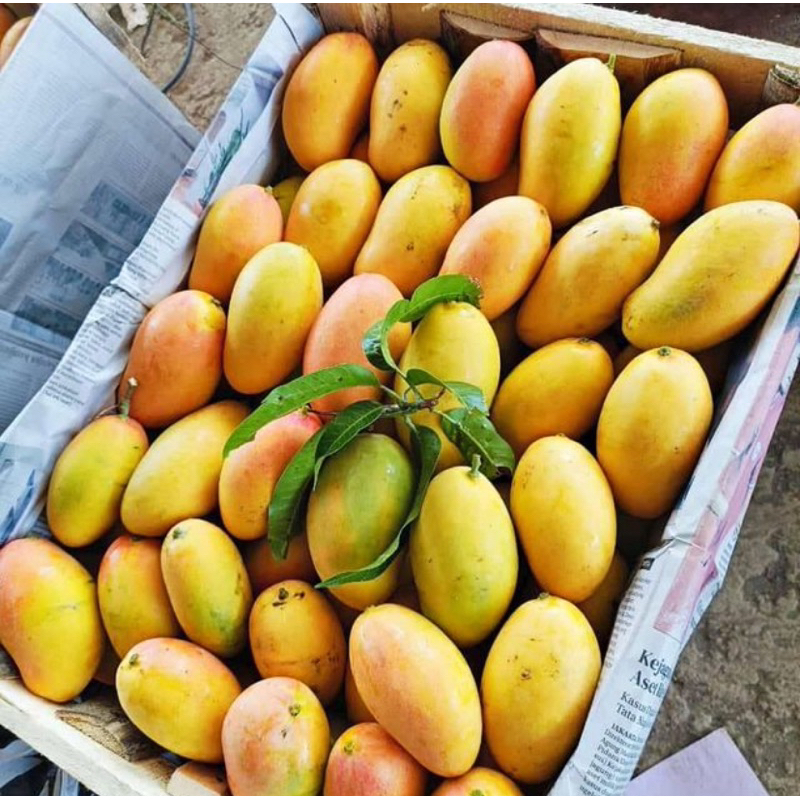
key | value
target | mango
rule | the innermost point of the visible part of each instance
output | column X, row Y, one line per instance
column 464, row 555
column 652, row 428
column 564, row 513
column 327, row 99
column 133, row 599
column 479, row 781
column 483, row 109
column 558, row 389
column 454, row 342
column 416, row 222
column 177, row 694
column 250, row 472
column 600, row 608
column 243, row 221
column 404, row 112
column 11, row 38
column 360, row 501
column 588, row 274
column 569, row 139
column 176, row 358
column 89, row 477
column 284, row 193
column 360, row 149
column 512, row 351
column 49, row 621
column 207, row 585
column 332, row 215
column 504, row 186
column 337, row 334
column 7, row 20
column 179, row 474
column 715, row 279
column 537, row 686
column 366, row 761
column 264, row 569
column 502, row 247
column 418, row 686
column 107, row 669
column 356, row 710
column 672, row 136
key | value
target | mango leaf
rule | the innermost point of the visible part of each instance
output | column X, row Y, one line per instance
column 375, row 343
column 471, row 396
column 295, row 394
column 473, row 434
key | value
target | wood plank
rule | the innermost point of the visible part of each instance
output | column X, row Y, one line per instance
column 198, row 780
column 461, row 35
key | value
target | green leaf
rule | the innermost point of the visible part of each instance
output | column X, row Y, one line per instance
column 473, row 434
column 295, row 394
column 471, row 396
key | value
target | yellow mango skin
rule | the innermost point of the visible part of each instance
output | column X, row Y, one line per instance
column 564, row 513
column 208, row 586
column 416, row 222
column 569, row 139
column 672, row 136
column 327, row 99
column 537, row 686
column 652, row 430
column 502, row 247
column 49, row 621
column 179, row 475
column 715, row 279
column 405, row 107
column 333, row 214
column 454, row 342
column 89, row 478
column 600, row 608
column 464, row 555
column 588, row 274
column 285, row 192
column 479, row 781
column 557, row 389
column 177, row 694
column 418, row 686
column 274, row 304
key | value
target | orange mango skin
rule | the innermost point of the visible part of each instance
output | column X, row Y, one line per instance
column 356, row 710
column 327, row 99
column 504, row 186
column 176, row 358
column 250, row 472
column 49, row 621
column 332, row 215
column 600, row 609
column 418, row 686
column 360, row 150
column 133, row 599
column 761, row 161
column 479, row 781
column 672, row 136
column 264, row 569
column 337, row 334
column 483, row 109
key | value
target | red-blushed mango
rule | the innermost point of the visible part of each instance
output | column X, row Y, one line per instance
column 479, row 781
column 360, row 149
column 557, row 389
column 178, row 477
column 365, row 761
column 501, row 247
column 176, row 358
column 672, row 136
column 569, row 139
column 406, row 103
column 356, row 709
column 207, row 585
column 537, row 686
column 595, row 265
column 338, row 332
column 264, row 569
column 274, row 304
column 177, row 694
column 284, row 193
column 243, row 221
column 504, row 186
column 276, row 740
column 326, row 103
column 133, row 599
column 49, row 621
column 600, row 608
column 418, row 686
column 652, row 429
column 761, row 161
column 416, row 222
column 11, row 38
column 250, row 472
column 483, row 109
column 332, row 215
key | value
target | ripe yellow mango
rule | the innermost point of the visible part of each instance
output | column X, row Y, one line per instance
column 179, row 474
column 569, row 139
column 588, row 274
column 416, row 222
column 537, row 686
column 49, row 621
column 600, row 608
column 264, row 569
column 284, row 193
column 479, row 781
column 356, row 710
column 715, row 279
column 273, row 306
column 405, row 107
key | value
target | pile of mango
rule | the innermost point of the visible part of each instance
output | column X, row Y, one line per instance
column 612, row 265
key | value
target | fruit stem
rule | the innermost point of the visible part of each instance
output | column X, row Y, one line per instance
column 475, row 469
column 664, row 351
column 125, row 403
column 612, row 62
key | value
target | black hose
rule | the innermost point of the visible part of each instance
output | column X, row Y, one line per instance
column 187, row 56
